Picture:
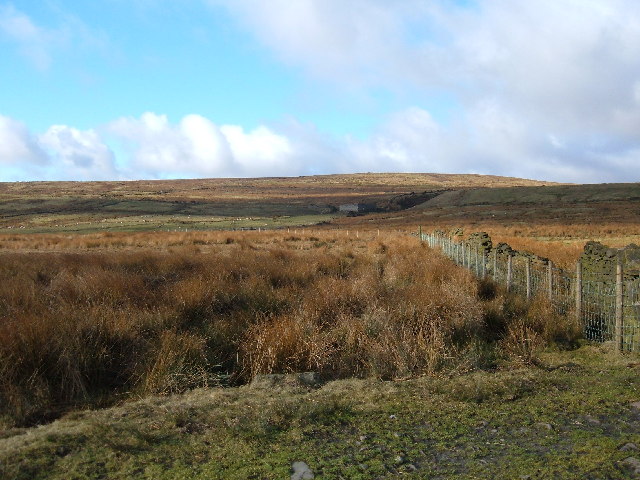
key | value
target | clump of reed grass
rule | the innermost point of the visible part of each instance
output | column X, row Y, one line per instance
column 92, row 326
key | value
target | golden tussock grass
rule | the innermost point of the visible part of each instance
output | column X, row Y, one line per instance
column 161, row 313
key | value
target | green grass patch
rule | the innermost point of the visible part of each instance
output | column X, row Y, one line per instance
column 566, row 420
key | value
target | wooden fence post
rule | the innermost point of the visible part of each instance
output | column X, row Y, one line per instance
column 509, row 271
column 495, row 265
column 550, row 279
column 579, row 292
column 475, row 260
column 528, row 273
column 484, row 265
column 619, row 306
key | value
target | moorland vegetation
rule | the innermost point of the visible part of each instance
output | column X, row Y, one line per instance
column 106, row 300
column 93, row 327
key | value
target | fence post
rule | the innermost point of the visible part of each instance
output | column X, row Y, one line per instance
column 484, row 265
column 619, row 306
column 579, row 292
column 469, row 257
column 509, row 271
column 528, row 273
column 550, row 279
column 495, row 265
column 475, row 260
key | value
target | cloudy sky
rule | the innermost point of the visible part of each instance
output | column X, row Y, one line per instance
column 129, row 89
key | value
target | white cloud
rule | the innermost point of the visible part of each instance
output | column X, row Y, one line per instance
column 39, row 44
column 259, row 152
column 194, row 147
column 17, row 146
column 33, row 42
column 78, row 155
column 521, row 73
column 328, row 37
column 489, row 140
column 197, row 147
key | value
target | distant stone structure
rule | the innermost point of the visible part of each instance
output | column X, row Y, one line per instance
column 357, row 207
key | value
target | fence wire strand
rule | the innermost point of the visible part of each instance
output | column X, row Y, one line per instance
column 598, row 308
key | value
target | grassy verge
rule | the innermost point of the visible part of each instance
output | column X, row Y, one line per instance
column 569, row 418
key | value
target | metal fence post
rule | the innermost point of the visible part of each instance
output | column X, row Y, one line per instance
column 509, row 271
column 619, row 306
column 550, row 279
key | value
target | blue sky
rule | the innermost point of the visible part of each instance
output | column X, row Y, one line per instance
column 115, row 89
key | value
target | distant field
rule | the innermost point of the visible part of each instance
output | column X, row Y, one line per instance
column 82, row 207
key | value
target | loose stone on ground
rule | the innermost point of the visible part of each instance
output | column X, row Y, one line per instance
column 301, row 471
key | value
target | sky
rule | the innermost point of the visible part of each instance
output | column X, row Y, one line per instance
column 162, row 89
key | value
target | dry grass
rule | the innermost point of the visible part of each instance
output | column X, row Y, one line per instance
column 91, row 320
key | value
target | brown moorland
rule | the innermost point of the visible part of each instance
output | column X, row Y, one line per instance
column 82, row 207
column 138, row 308
column 89, row 328
column 553, row 221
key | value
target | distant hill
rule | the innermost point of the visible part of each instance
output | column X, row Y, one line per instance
column 220, row 203
column 590, row 204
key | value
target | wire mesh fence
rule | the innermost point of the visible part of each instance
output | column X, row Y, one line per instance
column 605, row 303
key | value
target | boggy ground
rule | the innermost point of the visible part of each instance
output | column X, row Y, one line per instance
column 572, row 416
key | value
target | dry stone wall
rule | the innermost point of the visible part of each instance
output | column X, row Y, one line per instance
column 608, row 305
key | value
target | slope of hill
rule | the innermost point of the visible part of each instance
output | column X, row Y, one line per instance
column 212, row 203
